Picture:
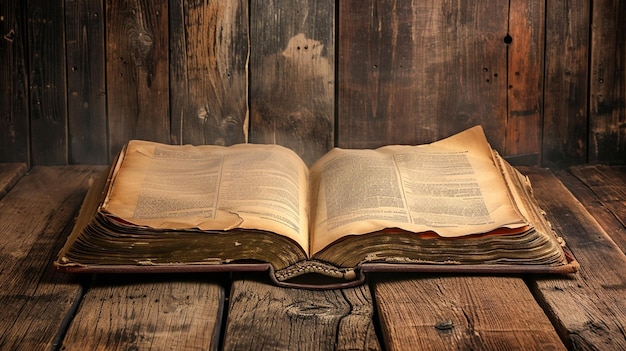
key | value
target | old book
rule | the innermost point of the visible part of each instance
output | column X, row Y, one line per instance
column 452, row 205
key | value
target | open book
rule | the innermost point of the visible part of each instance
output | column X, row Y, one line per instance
column 452, row 205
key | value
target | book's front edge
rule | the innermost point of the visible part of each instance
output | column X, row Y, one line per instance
column 356, row 277
column 570, row 266
column 161, row 268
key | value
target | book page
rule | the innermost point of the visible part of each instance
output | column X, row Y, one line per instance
column 212, row 188
column 451, row 187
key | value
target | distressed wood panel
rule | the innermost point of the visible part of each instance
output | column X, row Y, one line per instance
column 589, row 307
column 525, row 81
column 209, row 54
column 409, row 72
column 462, row 313
column 158, row 312
column 86, row 84
column 602, row 190
column 10, row 173
column 14, row 126
column 607, row 119
column 137, row 71
column 292, row 74
column 47, row 84
column 262, row 316
column 36, row 299
column 414, row 72
column 565, row 112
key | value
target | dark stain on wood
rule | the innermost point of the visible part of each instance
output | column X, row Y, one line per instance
column 292, row 75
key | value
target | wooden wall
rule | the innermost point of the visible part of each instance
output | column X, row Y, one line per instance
column 546, row 79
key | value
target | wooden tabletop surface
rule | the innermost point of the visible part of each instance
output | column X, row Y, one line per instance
column 42, row 309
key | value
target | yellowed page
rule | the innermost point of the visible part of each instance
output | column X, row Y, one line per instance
column 212, row 188
column 451, row 187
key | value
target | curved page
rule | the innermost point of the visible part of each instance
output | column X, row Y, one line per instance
column 245, row 186
column 451, row 187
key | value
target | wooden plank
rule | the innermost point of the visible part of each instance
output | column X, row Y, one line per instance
column 588, row 308
column 36, row 215
column 292, row 78
column 461, row 313
column 14, row 126
column 525, row 79
column 414, row 72
column 137, row 71
column 10, row 173
column 209, row 54
column 159, row 312
column 565, row 113
column 602, row 190
column 47, row 84
column 86, row 84
column 265, row 317
column 607, row 80
column 608, row 183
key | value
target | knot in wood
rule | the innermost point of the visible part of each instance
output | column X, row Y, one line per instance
column 142, row 43
column 309, row 309
column 444, row 325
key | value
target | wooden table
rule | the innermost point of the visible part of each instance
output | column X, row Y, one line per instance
column 43, row 309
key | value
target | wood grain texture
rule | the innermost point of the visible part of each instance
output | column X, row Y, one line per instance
column 292, row 75
column 461, row 313
column 159, row 312
column 35, row 217
column 414, row 72
column 265, row 317
column 588, row 308
column 209, row 54
column 86, row 83
column 47, row 83
column 565, row 112
column 137, row 71
column 525, row 80
column 607, row 119
column 602, row 190
column 14, row 126
column 10, row 173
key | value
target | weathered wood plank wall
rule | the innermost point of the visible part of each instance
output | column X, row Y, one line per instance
column 416, row 72
column 14, row 116
column 565, row 113
column 137, row 63
column 208, row 82
column 292, row 75
column 79, row 78
column 47, row 84
column 86, row 81
column 607, row 121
